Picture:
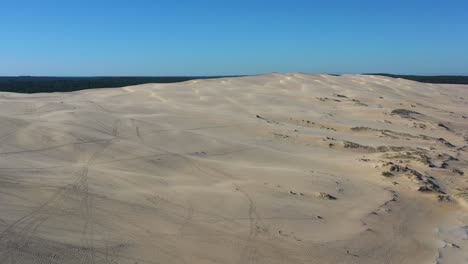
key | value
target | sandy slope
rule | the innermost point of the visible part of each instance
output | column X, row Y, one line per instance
column 267, row 169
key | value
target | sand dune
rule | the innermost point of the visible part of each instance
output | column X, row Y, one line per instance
column 267, row 169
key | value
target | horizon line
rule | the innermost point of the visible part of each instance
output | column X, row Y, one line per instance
column 222, row 76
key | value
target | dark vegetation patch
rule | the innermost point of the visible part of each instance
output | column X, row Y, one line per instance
column 426, row 183
column 387, row 174
column 326, row 99
column 446, row 143
column 353, row 145
column 341, row 96
column 416, row 156
column 326, row 196
column 404, row 113
column 443, row 126
column 357, row 102
column 362, row 128
column 406, row 150
column 28, row 84
column 447, row 79
column 396, row 135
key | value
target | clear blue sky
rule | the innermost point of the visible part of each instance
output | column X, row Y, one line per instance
column 201, row 37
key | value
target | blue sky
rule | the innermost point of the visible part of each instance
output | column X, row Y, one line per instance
column 202, row 37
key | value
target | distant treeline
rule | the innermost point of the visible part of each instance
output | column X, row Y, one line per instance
column 27, row 84
column 448, row 79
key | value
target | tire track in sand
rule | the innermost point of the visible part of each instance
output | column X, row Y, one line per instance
column 17, row 236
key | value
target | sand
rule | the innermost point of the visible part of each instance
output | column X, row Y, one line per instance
column 267, row 169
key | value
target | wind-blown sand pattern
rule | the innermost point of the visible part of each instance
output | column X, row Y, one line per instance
column 266, row 169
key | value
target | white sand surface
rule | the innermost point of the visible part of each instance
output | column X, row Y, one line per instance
column 268, row 169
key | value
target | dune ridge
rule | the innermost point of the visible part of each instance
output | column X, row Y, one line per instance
column 273, row 168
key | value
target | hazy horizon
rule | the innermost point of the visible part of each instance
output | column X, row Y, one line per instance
column 230, row 75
